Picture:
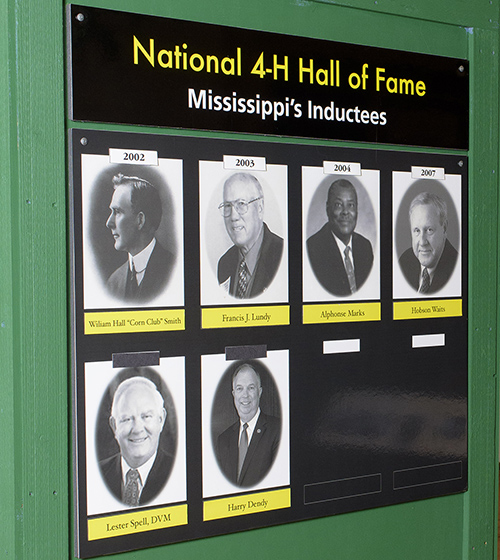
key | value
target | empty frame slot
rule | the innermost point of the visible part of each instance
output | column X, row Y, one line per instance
column 342, row 488
column 430, row 474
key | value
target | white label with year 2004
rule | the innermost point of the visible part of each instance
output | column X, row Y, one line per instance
column 136, row 157
column 427, row 173
column 341, row 168
column 240, row 163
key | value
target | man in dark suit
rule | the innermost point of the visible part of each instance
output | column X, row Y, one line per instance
column 247, row 449
column 429, row 263
column 340, row 258
column 135, row 216
column 247, row 269
column 136, row 475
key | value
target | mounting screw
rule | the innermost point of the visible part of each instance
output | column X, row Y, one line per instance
column 461, row 68
column 460, row 163
column 80, row 17
column 83, row 141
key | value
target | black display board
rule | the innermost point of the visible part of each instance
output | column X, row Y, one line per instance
column 147, row 70
column 364, row 395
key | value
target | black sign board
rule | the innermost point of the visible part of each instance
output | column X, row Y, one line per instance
column 146, row 70
column 363, row 386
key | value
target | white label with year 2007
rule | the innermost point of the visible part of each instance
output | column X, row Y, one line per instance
column 427, row 173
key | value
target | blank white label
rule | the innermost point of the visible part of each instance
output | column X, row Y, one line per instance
column 341, row 346
column 341, row 168
column 427, row 340
column 135, row 157
column 241, row 163
column 428, row 173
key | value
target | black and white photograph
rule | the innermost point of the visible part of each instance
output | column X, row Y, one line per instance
column 427, row 237
column 243, row 235
column 135, row 435
column 132, row 233
column 245, row 426
column 340, row 235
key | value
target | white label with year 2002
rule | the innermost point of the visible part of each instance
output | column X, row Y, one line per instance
column 136, row 157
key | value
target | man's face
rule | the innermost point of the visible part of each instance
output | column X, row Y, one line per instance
column 246, row 394
column 243, row 229
column 123, row 221
column 137, row 424
column 428, row 235
column 342, row 211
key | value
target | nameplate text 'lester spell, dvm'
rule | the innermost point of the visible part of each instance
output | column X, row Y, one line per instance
column 137, row 522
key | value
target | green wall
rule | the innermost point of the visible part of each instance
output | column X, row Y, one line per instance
column 35, row 397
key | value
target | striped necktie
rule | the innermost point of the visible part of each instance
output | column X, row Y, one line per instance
column 350, row 270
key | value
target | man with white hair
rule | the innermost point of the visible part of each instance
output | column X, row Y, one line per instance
column 248, row 268
column 139, row 471
column 429, row 263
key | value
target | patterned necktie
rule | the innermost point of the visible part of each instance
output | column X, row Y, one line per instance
column 131, row 490
column 243, row 447
column 350, row 270
column 242, row 280
column 426, row 282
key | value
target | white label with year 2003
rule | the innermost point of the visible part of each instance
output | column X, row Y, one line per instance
column 240, row 163
column 136, row 157
column 341, row 168
column 427, row 173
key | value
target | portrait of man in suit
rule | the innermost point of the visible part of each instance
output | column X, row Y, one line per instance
column 246, row 450
column 247, row 268
column 137, row 473
column 429, row 263
column 135, row 215
column 340, row 258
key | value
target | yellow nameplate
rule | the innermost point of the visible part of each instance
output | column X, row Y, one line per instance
column 227, row 317
column 153, row 320
column 245, row 504
column 340, row 313
column 137, row 522
column 423, row 309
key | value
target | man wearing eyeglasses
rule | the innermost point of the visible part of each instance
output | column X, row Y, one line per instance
column 248, row 267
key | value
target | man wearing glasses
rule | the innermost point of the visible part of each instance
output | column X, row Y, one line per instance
column 248, row 267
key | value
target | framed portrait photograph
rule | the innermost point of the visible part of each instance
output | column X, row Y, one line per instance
column 239, row 393
column 340, row 213
column 135, row 420
column 243, row 225
column 132, row 233
column 427, row 238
